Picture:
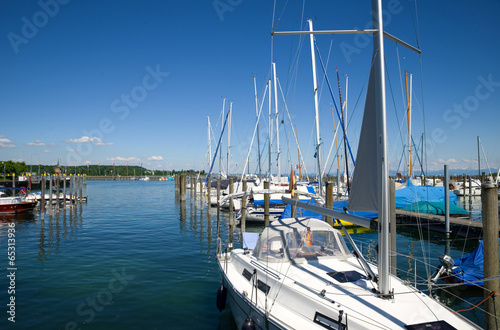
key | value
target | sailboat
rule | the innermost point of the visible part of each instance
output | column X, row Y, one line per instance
column 300, row 274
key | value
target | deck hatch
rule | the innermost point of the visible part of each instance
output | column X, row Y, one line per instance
column 349, row 276
column 436, row 325
column 327, row 322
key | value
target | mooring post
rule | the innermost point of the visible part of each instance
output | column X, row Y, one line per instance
column 193, row 186
column 338, row 185
column 42, row 205
column 64, row 190
column 57, row 192
column 218, row 206
column 50, row 192
column 244, row 208
column 447, row 209
column 81, row 188
column 209, row 196
column 13, row 180
column 489, row 193
column 329, row 200
column 182, row 187
column 463, row 187
column 392, row 227
column 266, row 204
column 470, row 197
column 231, row 190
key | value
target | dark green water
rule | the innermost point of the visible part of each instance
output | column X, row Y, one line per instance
column 134, row 258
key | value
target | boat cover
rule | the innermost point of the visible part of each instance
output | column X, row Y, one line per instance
column 412, row 194
column 470, row 268
column 434, row 208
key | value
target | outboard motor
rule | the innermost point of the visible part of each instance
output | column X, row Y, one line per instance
column 446, row 265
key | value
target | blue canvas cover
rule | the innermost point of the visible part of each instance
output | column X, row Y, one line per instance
column 337, row 206
column 412, row 194
column 434, row 208
column 470, row 268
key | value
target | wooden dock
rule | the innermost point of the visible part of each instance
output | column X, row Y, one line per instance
column 459, row 226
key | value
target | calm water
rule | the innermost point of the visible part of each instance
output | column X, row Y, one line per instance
column 133, row 257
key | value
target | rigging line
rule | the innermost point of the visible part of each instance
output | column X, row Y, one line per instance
column 326, row 69
column 331, row 147
column 415, row 22
column 394, row 101
column 278, row 21
column 290, row 120
column 334, row 103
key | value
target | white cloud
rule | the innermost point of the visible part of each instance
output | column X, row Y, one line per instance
column 85, row 139
column 6, row 143
column 37, row 143
column 46, row 151
column 155, row 158
column 122, row 159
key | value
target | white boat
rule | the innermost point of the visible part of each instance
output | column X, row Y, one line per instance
column 300, row 273
column 474, row 189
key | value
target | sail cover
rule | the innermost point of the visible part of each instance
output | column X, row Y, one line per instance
column 366, row 181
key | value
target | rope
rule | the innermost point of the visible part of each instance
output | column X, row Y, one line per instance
column 492, row 295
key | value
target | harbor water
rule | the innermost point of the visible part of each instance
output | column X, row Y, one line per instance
column 133, row 257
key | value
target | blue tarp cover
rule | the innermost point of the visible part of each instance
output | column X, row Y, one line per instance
column 337, row 206
column 434, row 208
column 470, row 268
column 412, row 194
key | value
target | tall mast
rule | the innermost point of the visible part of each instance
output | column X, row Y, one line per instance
column 408, row 105
column 298, row 151
column 277, row 122
column 209, row 142
column 478, row 161
column 383, row 200
column 221, row 130
column 229, row 135
column 257, row 118
column 345, row 137
column 270, row 133
column 316, row 108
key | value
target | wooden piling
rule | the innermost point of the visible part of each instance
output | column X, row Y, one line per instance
column 50, row 191
column 57, row 191
column 42, row 205
column 266, row 204
column 218, row 207
column 489, row 193
column 13, row 180
column 80, row 179
column 182, row 188
column 209, row 196
column 231, row 205
column 329, row 200
column 64, row 191
column 193, row 186
column 244, row 207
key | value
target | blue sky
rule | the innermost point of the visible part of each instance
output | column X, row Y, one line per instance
column 132, row 82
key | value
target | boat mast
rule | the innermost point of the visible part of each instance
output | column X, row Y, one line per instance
column 382, row 155
column 229, row 135
column 298, row 151
column 209, row 142
column 408, row 110
column 221, row 130
column 257, row 118
column 270, row 134
column 478, row 161
column 277, row 123
column 345, row 137
column 316, row 108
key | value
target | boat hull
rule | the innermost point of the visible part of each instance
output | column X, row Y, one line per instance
column 17, row 207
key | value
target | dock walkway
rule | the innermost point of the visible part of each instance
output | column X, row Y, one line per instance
column 458, row 225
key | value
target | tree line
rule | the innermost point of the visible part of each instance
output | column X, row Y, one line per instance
column 7, row 168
